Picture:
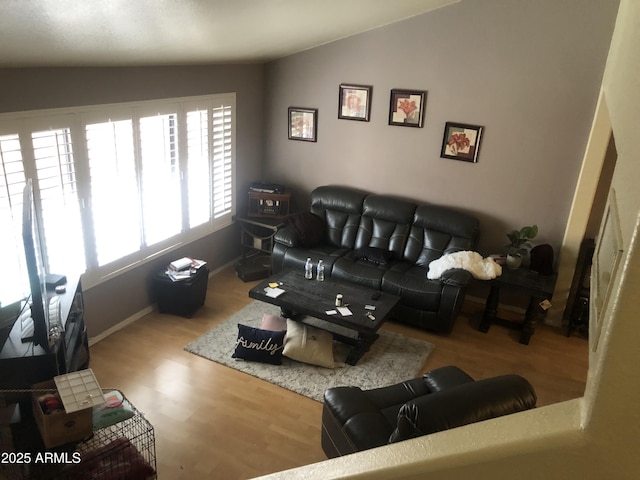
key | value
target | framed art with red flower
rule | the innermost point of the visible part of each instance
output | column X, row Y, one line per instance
column 461, row 141
column 407, row 108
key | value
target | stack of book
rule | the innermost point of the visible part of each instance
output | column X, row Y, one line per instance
column 183, row 268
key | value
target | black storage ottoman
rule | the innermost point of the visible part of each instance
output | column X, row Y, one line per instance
column 182, row 297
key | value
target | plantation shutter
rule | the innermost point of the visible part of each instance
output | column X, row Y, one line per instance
column 199, row 169
column 115, row 203
column 59, row 201
column 222, row 160
column 161, row 193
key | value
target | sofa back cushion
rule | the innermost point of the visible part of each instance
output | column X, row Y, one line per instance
column 385, row 224
column 340, row 208
column 437, row 231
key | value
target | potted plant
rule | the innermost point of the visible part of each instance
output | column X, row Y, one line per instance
column 519, row 245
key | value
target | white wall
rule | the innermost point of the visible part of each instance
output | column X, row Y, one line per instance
column 594, row 437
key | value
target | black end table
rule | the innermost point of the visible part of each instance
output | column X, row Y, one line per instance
column 538, row 287
column 182, row 297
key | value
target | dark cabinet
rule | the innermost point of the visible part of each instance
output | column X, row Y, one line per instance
column 23, row 363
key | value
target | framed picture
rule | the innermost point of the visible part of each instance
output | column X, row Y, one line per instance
column 461, row 141
column 407, row 108
column 354, row 102
column 303, row 124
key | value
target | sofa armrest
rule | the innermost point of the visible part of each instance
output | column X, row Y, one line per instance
column 286, row 236
column 456, row 277
column 462, row 405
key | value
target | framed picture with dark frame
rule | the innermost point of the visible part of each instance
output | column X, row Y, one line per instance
column 461, row 141
column 354, row 102
column 407, row 108
column 303, row 124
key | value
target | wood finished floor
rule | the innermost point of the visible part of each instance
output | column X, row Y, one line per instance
column 213, row 422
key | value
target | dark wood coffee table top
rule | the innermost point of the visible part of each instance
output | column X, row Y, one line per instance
column 315, row 298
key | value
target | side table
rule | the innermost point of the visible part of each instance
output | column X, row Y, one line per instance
column 182, row 297
column 538, row 287
column 256, row 237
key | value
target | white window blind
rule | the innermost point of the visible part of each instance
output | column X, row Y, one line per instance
column 116, row 184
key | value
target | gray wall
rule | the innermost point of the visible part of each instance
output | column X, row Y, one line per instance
column 529, row 72
column 36, row 88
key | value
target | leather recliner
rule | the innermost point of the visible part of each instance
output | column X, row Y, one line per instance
column 354, row 420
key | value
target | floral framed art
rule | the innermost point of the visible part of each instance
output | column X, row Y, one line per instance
column 407, row 108
column 461, row 141
column 354, row 102
column 303, row 124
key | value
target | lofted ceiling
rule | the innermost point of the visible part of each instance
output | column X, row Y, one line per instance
column 37, row 33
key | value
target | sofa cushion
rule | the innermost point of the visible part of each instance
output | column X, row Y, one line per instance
column 436, row 231
column 307, row 228
column 411, row 283
column 362, row 272
column 377, row 256
column 340, row 208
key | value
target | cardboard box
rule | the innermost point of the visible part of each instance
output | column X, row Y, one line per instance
column 59, row 428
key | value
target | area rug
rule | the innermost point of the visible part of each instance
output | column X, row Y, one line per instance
column 392, row 358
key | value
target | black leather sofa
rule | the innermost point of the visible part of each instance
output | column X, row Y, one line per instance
column 385, row 243
column 354, row 420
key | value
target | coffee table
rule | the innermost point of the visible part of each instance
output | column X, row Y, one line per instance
column 313, row 298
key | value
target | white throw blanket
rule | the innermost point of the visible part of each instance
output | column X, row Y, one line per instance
column 482, row 269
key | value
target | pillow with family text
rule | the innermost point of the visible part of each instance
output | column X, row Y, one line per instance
column 257, row 345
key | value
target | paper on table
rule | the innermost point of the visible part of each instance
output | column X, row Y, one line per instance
column 273, row 292
column 344, row 311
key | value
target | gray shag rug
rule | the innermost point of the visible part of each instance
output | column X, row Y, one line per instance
column 391, row 359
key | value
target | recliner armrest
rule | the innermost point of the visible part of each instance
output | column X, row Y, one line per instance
column 462, row 405
column 445, row 378
column 286, row 236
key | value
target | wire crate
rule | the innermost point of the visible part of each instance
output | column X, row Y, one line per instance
column 123, row 451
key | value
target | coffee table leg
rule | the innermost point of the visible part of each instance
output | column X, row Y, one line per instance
column 360, row 348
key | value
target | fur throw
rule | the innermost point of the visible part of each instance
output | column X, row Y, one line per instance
column 482, row 269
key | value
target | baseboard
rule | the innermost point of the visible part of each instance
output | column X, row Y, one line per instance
column 145, row 311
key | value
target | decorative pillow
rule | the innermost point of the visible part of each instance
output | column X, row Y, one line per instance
column 257, row 345
column 273, row 323
column 378, row 256
column 309, row 228
column 308, row 344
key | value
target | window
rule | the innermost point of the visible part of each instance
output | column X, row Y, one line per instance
column 115, row 184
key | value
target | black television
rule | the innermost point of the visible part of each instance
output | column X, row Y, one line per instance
column 36, row 269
